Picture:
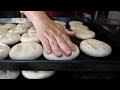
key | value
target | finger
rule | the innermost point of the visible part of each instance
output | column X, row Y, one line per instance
column 69, row 42
column 46, row 45
column 54, row 46
column 63, row 45
column 70, row 33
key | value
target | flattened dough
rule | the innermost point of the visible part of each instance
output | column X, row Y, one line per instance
column 26, row 51
column 95, row 48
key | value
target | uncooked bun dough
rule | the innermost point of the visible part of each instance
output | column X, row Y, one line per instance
column 64, row 57
column 26, row 51
column 60, row 22
column 71, row 23
column 32, row 29
column 95, row 48
column 26, row 37
column 77, row 27
column 9, row 74
column 9, row 38
column 19, row 30
column 37, row 74
column 8, row 26
column 27, row 25
column 4, row 51
column 84, row 34
column 3, row 30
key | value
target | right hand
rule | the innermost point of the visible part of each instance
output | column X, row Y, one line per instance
column 54, row 38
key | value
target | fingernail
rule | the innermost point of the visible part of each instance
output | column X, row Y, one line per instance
column 68, row 52
column 73, row 48
column 49, row 52
column 59, row 54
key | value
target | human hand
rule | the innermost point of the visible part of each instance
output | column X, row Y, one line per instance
column 55, row 38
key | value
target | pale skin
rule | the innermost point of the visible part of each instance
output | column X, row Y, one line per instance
column 54, row 37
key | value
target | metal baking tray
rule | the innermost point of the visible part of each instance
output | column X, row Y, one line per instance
column 81, row 63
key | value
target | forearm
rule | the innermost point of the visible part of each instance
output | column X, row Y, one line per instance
column 36, row 16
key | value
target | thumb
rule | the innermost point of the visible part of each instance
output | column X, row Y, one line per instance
column 70, row 33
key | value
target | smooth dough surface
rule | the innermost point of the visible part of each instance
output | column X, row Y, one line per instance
column 60, row 22
column 37, row 74
column 3, row 30
column 84, row 34
column 9, row 74
column 4, row 51
column 27, row 25
column 32, row 29
column 8, row 26
column 26, row 37
column 26, row 51
column 95, row 48
column 64, row 57
column 71, row 23
column 9, row 38
column 78, row 27
column 19, row 30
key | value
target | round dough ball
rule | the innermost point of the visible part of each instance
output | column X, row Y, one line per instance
column 26, row 51
column 9, row 74
column 95, row 48
column 32, row 29
column 9, row 38
column 84, row 34
column 3, row 30
column 19, row 30
column 64, row 57
column 84, row 27
column 72, row 23
column 27, row 25
column 26, row 37
column 9, row 26
column 4, row 51
column 77, row 27
column 37, row 74
column 60, row 22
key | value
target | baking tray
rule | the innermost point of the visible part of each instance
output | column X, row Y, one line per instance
column 112, row 25
column 81, row 63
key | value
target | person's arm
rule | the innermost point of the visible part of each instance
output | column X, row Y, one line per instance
column 53, row 37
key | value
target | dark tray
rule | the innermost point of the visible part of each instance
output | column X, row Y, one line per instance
column 82, row 62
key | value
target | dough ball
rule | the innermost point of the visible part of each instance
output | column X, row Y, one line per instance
column 95, row 48
column 72, row 23
column 3, row 30
column 4, row 51
column 64, row 57
column 19, row 30
column 26, row 37
column 60, row 22
column 8, row 26
column 32, row 29
column 37, row 74
column 84, row 34
column 9, row 74
column 77, row 27
column 27, row 25
column 26, row 51
column 9, row 38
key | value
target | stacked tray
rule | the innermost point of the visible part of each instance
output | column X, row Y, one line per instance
column 81, row 63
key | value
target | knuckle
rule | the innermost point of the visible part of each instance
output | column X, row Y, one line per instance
column 53, row 43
